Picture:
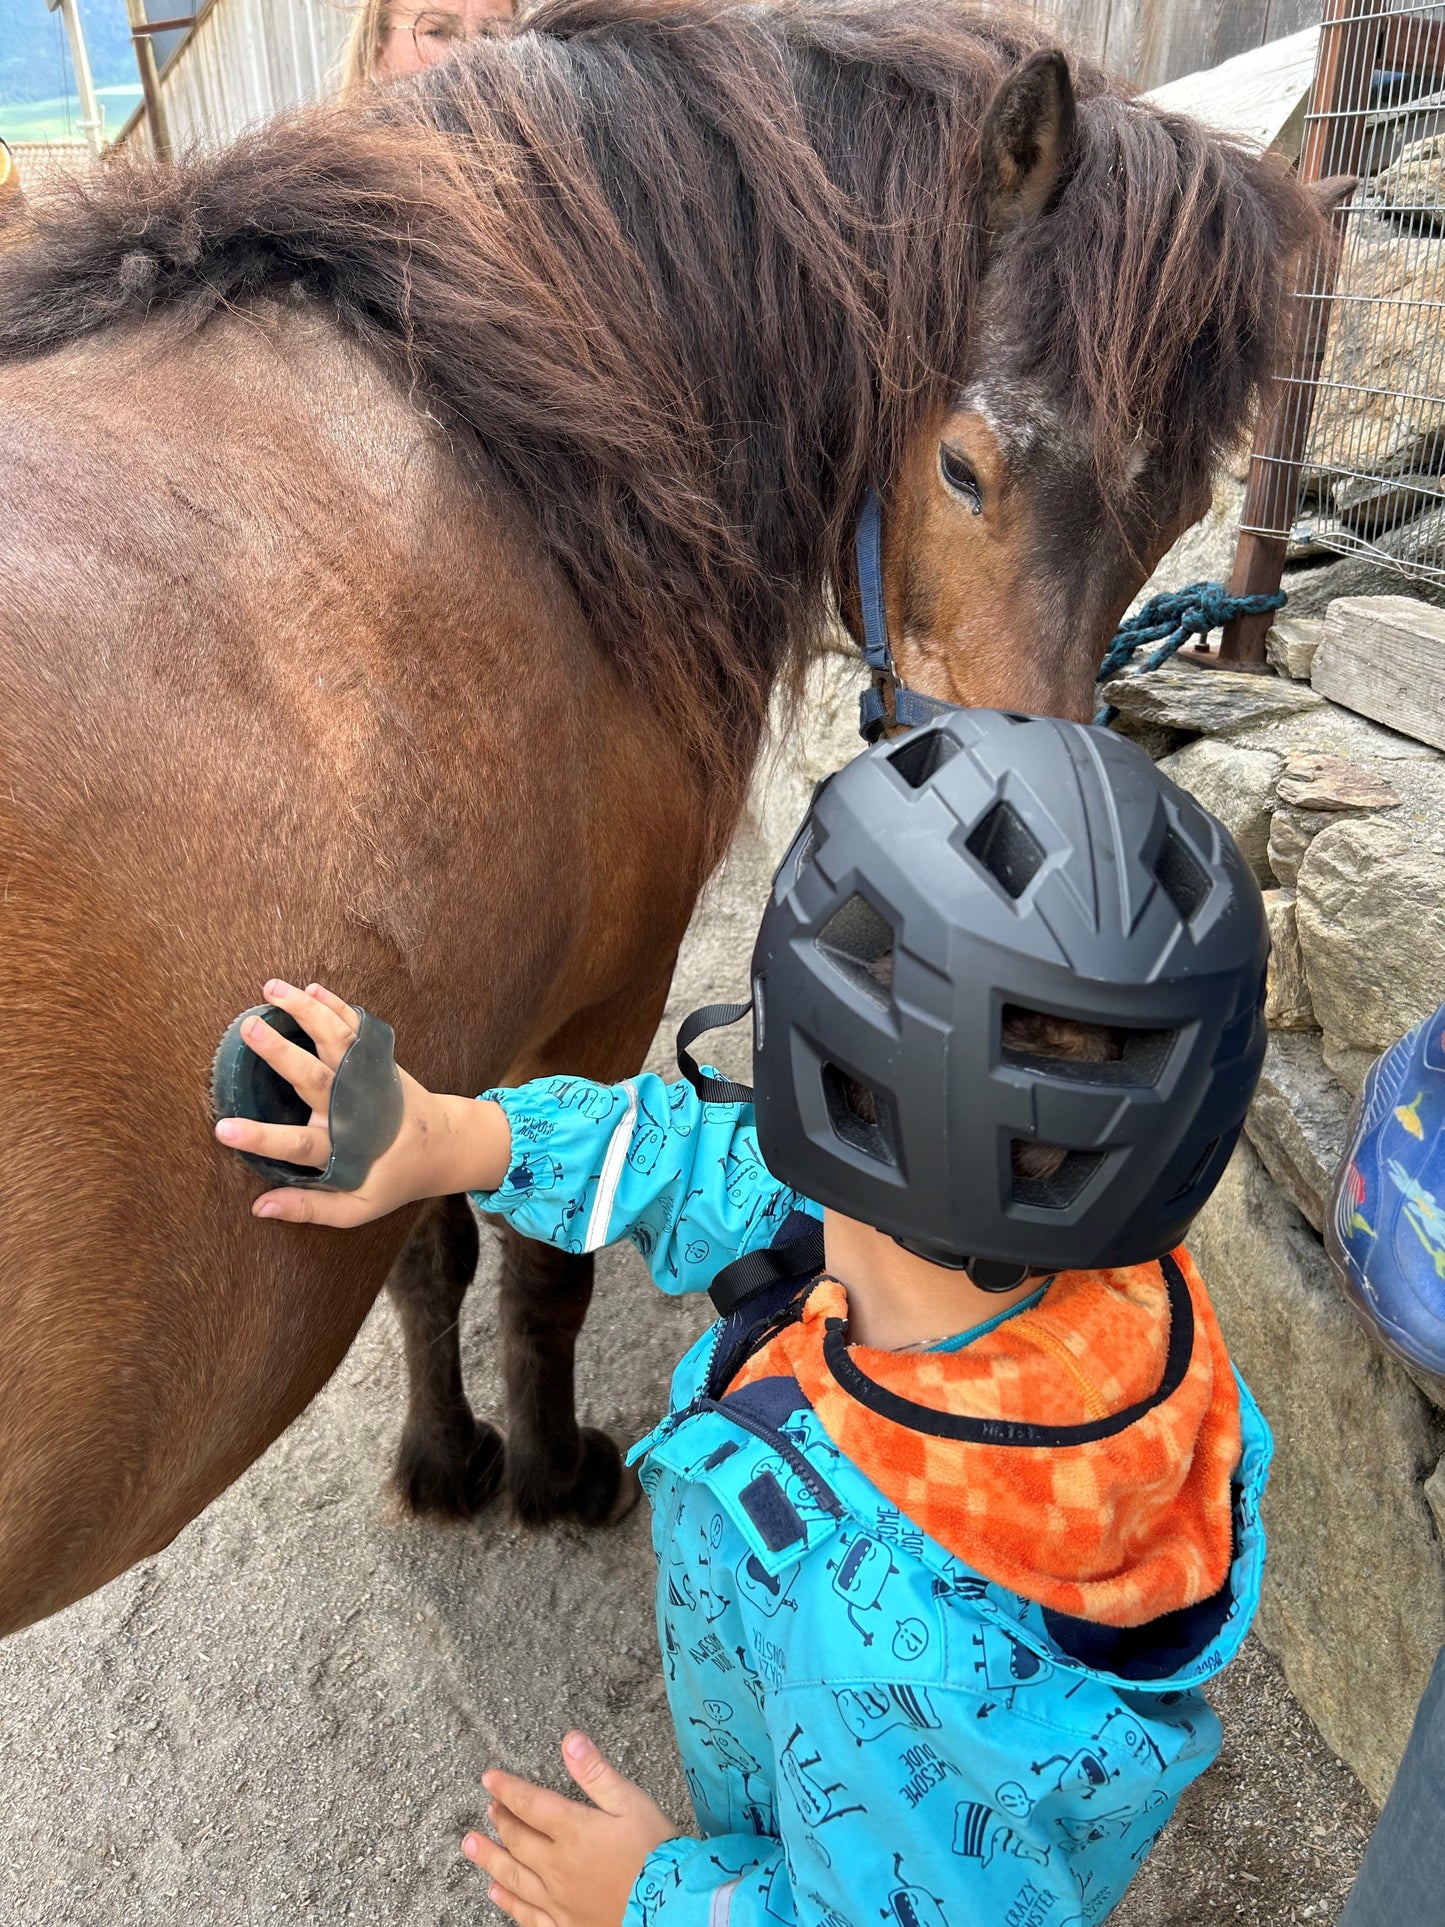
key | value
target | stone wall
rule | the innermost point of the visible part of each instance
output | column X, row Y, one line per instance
column 1344, row 824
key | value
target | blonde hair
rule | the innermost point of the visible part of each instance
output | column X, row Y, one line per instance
column 362, row 51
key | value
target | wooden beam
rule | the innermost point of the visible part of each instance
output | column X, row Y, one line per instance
column 150, row 82
column 1384, row 657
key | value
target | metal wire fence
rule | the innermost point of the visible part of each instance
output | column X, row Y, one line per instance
column 1354, row 460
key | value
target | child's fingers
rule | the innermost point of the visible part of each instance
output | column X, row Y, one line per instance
column 337, row 1005
column 596, row 1775
column 340, row 1209
column 307, row 1075
column 518, row 1909
column 537, row 1805
column 524, row 1843
column 292, row 1143
column 329, row 1023
column 496, row 1861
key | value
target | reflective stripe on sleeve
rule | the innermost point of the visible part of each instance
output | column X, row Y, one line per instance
column 620, row 1143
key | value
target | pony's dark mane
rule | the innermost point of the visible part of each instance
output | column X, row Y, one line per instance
column 689, row 277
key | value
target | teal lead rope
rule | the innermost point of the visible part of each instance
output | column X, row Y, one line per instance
column 1170, row 620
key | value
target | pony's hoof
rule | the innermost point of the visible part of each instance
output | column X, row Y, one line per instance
column 452, row 1480
column 606, row 1488
column 601, row 1490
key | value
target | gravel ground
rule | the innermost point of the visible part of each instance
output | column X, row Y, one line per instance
column 284, row 1716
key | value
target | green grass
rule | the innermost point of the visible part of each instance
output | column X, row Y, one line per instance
column 47, row 120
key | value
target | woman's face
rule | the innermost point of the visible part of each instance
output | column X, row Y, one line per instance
column 417, row 36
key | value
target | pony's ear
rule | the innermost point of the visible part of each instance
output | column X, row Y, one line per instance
column 1028, row 131
column 1332, row 193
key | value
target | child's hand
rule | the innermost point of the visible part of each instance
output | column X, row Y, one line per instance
column 445, row 1144
column 562, row 1864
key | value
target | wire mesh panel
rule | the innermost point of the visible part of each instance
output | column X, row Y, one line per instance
column 1354, row 460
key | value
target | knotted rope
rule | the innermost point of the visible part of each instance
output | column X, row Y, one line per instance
column 1170, row 620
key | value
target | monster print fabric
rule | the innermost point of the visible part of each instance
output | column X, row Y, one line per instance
column 873, row 1730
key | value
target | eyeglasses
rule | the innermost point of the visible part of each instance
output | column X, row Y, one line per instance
column 433, row 31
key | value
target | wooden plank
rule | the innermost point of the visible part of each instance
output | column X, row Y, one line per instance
column 1261, row 94
column 1079, row 25
column 1384, row 657
column 1185, row 36
column 1151, row 42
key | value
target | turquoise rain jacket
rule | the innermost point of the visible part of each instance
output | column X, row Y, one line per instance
column 871, row 1731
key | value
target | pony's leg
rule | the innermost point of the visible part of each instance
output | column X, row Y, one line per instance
column 555, row 1467
column 447, row 1464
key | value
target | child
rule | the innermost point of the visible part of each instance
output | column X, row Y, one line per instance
column 956, row 1507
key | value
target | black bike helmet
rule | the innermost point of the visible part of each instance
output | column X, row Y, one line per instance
column 983, row 875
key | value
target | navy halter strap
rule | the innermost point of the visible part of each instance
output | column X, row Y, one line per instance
column 1167, row 620
column 886, row 703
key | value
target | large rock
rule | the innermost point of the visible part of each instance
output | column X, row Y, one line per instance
column 1291, row 644
column 1410, row 186
column 1346, row 1063
column 1290, row 834
column 1298, row 1120
column 1205, row 551
column 806, row 745
column 1354, row 1596
column 1371, row 920
column 1378, row 409
column 1287, row 1004
column 1314, row 586
column 1372, row 508
column 1324, row 729
column 1213, row 702
column 1236, row 784
column 1332, row 783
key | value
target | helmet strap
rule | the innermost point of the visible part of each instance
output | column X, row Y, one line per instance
column 712, row 1090
column 987, row 1274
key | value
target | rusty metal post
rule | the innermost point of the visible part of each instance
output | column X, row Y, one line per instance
column 1334, row 135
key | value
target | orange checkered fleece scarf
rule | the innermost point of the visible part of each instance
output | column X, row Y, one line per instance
column 1129, row 1521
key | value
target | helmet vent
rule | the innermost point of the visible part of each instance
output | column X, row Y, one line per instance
column 859, row 945
column 1084, row 1053
column 920, row 759
column 802, row 856
column 1198, row 1172
column 860, row 1117
column 1181, row 875
column 1007, row 848
column 1050, row 1189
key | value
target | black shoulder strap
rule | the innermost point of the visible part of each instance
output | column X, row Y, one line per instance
column 755, row 1271
column 712, row 1090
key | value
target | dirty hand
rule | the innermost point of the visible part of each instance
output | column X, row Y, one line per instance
column 560, row 1863
column 445, row 1144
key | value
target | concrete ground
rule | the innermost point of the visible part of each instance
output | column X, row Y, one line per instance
column 283, row 1718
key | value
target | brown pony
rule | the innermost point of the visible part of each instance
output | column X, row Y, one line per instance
column 406, row 515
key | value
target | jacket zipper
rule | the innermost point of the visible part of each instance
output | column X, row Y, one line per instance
column 782, row 1445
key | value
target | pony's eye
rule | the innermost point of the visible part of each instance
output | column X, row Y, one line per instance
column 959, row 475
